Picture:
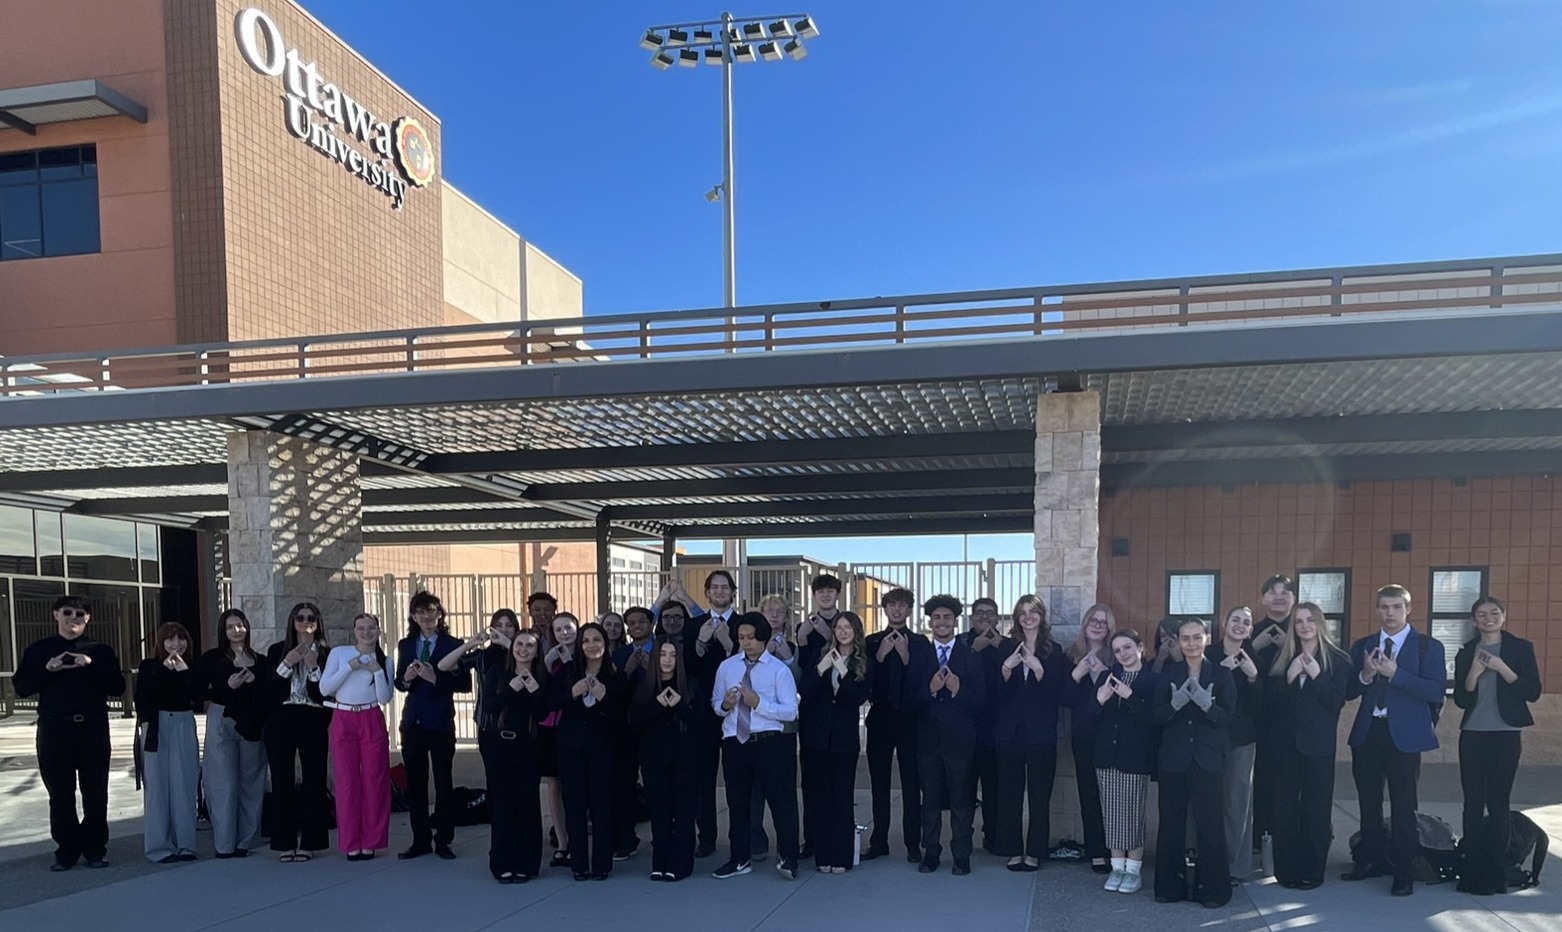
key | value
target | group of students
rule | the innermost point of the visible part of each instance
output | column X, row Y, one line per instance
column 1238, row 729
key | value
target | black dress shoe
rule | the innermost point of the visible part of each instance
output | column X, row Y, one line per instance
column 97, row 863
column 444, row 852
column 962, row 867
column 59, row 867
column 1364, row 872
column 805, row 853
column 168, row 859
column 416, row 851
column 927, row 867
column 913, row 855
column 582, row 875
column 1306, row 884
column 1101, row 868
column 705, row 850
column 559, row 859
column 875, row 851
column 1403, row 887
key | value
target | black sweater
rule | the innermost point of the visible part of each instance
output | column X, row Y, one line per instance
column 71, row 691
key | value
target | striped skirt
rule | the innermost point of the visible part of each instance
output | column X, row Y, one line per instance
column 1122, row 807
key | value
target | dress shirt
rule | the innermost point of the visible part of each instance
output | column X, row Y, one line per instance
column 771, row 679
column 1398, row 640
column 298, row 694
column 369, row 685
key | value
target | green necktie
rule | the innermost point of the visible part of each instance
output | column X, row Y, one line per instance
column 424, row 651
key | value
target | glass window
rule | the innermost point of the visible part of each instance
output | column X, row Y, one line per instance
column 147, row 552
column 51, row 544
column 100, row 548
column 33, row 601
column 49, row 203
column 16, row 542
column 1330, row 591
column 1454, row 590
column 1192, row 593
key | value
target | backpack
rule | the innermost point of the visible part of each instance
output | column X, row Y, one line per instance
column 1525, row 839
column 470, row 804
column 1482, row 876
column 1437, row 859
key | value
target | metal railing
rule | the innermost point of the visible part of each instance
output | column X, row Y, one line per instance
column 1257, row 299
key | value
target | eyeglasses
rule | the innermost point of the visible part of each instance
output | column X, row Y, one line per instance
column 73, row 612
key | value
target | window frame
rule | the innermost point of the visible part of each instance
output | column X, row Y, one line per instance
column 1344, row 639
column 86, row 155
column 1463, row 616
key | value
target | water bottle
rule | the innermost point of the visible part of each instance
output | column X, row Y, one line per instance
column 1267, row 854
column 1190, row 873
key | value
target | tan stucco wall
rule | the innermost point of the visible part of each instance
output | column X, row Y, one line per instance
column 482, row 262
column 550, row 290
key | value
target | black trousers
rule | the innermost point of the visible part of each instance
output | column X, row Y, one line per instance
column 514, row 806
column 1084, row 747
column 984, row 786
column 892, row 733
column 1303, row 793
column 1377, row 761
column 1201, row 792
column 72, row 754
column 626, row 778
column 672, row 794
column 422, row 750
column 300, row 813
column 945, row 775
column 829, row 816
column 1488, row 763
column 586, row 776
column 768, row 758
column 709, row 765
column 1025, row 774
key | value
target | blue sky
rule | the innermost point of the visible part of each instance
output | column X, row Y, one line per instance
column 1013, row 144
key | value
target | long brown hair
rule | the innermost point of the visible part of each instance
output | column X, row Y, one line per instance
column 1043, row 633
column 857, row 655
column 166, row 630
column 652, row 682
column 291, row 637
column 222, row 628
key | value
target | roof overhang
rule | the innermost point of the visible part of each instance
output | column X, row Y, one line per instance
column 27, row 108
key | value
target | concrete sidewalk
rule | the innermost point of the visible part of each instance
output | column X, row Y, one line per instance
column 259, row 893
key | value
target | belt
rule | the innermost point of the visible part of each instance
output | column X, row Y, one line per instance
column 345, row 707
column 56, row 717
column 758, row 736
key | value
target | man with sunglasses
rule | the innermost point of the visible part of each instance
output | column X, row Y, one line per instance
column 73, row 677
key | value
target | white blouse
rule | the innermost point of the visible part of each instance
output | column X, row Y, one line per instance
column 370, row 685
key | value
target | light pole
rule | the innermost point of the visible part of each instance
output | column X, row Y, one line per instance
column 727, row 41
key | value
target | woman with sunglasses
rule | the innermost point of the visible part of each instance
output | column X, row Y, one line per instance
column 234, row 770
column 297, row 734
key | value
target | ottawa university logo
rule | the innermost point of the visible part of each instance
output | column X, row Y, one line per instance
column 414, row 151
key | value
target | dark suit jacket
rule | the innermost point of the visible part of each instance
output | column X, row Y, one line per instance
column 1025, row 710
column 1417, row 684
column 1306, row 715
column 431, row 706
column 945, row 722
column 1243, row 728
column 890, row 677
column 278, row 688
column 522, row 710
column 578, row 725
column 1127, row 734
column 1513, row 698
column 827, row 718
column 664, row 735
column 1192, row 736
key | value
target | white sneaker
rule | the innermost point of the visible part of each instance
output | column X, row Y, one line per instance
column 1131, row 882
column 1114, row 882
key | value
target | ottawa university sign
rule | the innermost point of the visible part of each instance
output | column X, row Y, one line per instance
column 325, row 118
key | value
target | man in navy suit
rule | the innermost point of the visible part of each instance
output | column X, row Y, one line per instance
column 1400, row 674
column 428, row 723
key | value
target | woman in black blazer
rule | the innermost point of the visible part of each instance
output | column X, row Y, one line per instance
column 514, row 701
column 835, row 683
column 298, row 727
column 1028, row 691
column 1091, row 655
column 591, row 697
column 1304, row 691
column 1194, row 702
column 1495, row 679
column 1125, row 757
column 665, row 715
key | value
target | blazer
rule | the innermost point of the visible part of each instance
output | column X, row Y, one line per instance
column 431, row 706
column 1192, row 736
column 1025, row 712
column 1513, row 698
column 891, row 676
column 1126, row 732
column 1242, row 730
column 580, row 726
column 1306, row 715
column 1417, row 685
column 278, row 687
column 827, row 718
column 945, row 720
column 522, row 710
column 666, row 736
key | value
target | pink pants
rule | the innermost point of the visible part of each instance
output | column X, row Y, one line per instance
column 360, row 753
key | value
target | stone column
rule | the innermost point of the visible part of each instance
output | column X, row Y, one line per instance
column 1068, row 532
column 295, row 533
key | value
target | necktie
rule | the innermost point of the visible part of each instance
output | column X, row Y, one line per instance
column 425, row 650
column 943, row 655
column 745, row 726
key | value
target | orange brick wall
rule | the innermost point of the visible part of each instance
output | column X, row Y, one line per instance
column 1508, row 524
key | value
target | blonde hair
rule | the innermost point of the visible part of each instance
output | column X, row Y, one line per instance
column 1292, row 645
column 786, row 613
column 1076, row 651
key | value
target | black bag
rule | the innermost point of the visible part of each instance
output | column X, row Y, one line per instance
column 471, row 805
column 1437, row 857
column 1525, row 840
